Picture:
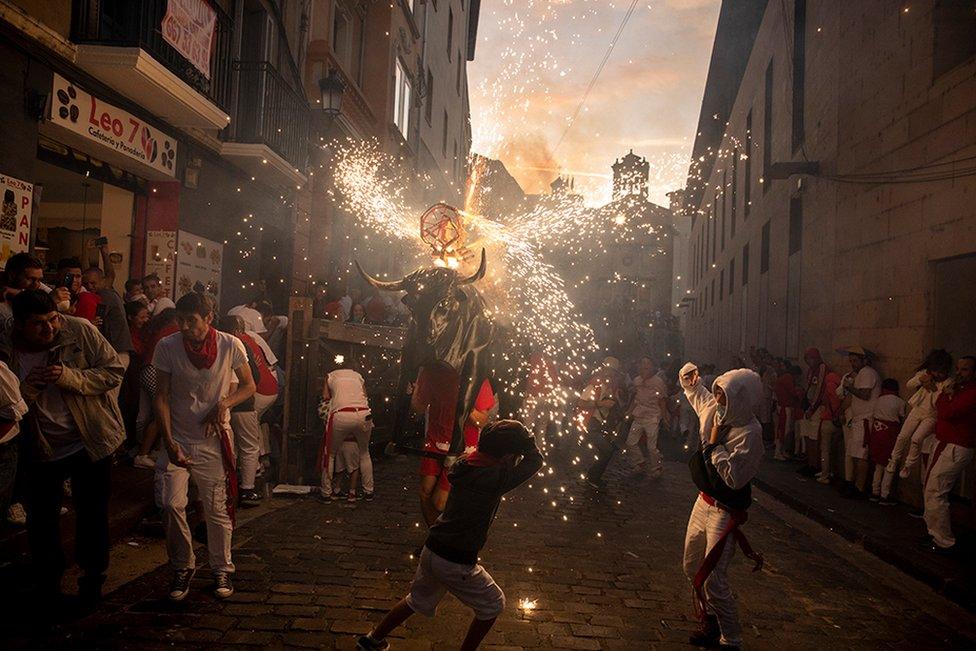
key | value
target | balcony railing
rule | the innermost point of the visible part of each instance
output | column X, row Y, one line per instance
column 270, row 112
column 137, row 23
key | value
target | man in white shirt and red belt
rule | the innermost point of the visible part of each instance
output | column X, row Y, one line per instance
column 731, row 451
column 863, row 385
column 345, row 409
column 955, row 433
column 648, row 406
column 195, row 370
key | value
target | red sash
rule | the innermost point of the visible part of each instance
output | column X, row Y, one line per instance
column 323, row 456
column 230, row 471
column 737, row 519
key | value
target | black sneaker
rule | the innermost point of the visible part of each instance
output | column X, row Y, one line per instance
column 917, row 514
column 366, row 643
column 367, row 496
column 222, row 587
column 179, row 587
column 887, row 501
column 708, row 633
column 250, row 497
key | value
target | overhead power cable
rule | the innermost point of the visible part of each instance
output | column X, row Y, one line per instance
column 596, row 74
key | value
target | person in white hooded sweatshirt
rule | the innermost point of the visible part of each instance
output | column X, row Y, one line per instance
column 731, row 440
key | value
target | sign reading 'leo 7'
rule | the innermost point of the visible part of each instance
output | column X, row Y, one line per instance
column 110, row 126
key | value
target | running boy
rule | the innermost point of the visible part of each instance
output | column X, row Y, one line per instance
column 449, row 561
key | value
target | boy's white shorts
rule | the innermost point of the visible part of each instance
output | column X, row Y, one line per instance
column 471, row 584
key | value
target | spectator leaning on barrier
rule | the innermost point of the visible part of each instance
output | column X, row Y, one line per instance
column 68, row 372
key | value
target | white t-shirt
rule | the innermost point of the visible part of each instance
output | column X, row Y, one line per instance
column 194, row 392
column 12, row 405
column 866, row 378
column 157, row 305
column 265, row 348
column 347, row 388
column 53, row 417
column 251, row 317
column 889, row 407
column 647, row 396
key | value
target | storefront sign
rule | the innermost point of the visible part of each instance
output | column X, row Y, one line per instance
column 15, row 216
column 189, row 27
column 90, row 117
column 161, row 258
column 198, row 260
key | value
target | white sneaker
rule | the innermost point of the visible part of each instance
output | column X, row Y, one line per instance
column 144, row 461
column 16, row 514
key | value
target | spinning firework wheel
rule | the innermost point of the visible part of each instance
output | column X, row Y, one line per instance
column 442, row 229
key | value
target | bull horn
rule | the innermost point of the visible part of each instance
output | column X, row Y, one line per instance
column 479, row 274
column 385, row 285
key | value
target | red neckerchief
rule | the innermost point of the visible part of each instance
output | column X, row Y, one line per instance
column 479, row 459
column 205, row 354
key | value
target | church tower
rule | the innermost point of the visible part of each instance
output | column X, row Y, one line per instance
column 630, row 177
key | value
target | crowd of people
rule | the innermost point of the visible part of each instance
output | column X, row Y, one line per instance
column 189, row 392
column 90, row 379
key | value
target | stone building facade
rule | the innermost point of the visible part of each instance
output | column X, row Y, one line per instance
column 832, row 193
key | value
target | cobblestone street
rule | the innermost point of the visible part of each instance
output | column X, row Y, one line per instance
column 607, row 577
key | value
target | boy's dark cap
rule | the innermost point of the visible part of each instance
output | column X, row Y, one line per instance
column 503, row 437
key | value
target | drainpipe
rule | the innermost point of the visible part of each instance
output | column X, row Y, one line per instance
column 423, row 81
column 237, row 29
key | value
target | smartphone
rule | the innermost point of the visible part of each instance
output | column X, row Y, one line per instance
column 100, row 310
column 68, row 279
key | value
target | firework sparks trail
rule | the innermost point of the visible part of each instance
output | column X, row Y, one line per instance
column 523, row 291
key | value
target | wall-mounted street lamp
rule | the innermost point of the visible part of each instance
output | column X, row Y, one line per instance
column 332, row 88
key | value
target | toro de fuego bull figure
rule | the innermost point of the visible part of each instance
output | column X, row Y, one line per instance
column 450, row 326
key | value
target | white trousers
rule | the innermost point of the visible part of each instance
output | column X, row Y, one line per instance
column 945, row 467
column 261, row 405
column 912, row 435
column 649, row 426
column 172, row 495
column 705, row 527
column 247, row 440
column 345, row 423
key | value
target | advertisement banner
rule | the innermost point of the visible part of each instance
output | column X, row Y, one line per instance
column 189, row 27
column 198, row 265
column 15, row 216
column 93, row 119
column 161, row 258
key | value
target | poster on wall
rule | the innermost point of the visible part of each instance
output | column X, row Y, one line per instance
column 161, row 258
column 96, row 120
column 15, row 216
column 189, row 27
column 198, row 265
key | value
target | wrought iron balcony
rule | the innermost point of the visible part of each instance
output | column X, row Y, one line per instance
column 137, row 24
column 271, row 113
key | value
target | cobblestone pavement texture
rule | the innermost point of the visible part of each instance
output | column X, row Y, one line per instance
column 608, row 576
